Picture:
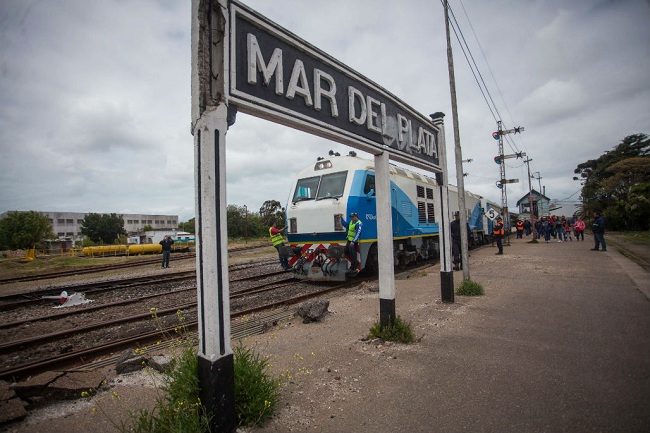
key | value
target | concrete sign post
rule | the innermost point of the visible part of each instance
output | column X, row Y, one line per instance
column 385, row 242
column 444, row 226
column 209, row 126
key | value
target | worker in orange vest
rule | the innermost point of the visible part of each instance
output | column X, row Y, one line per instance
column 520, row 229
column 499, row 232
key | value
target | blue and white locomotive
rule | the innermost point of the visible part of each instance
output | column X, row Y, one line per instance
column 331, row 189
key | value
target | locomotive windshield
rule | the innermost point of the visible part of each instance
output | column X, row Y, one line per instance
column 320, row 187
column 306, row 189
column 331, row 185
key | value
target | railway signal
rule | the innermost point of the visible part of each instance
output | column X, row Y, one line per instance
column 498, row 135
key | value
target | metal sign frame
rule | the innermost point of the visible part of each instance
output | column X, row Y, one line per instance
column 291, row 82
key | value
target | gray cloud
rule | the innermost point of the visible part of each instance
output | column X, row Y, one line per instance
column 95, row 96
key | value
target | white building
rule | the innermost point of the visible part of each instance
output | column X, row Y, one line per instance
column 67, row 225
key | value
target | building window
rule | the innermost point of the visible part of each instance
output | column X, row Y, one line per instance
column 129, row 221
column 69, row 221
column 136, row 221
column 80, row 221
column 60, row 221
column 60, row 234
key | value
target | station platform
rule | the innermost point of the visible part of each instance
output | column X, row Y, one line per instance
column 560, row 342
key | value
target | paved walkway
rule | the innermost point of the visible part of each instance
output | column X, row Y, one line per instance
column 559, row 343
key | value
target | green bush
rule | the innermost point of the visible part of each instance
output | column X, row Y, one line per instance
column 470, row 288
column 256, row 393
column 400, row 331
column 178, row 408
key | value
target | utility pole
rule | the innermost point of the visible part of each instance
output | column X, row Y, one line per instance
column 540, row 202
column 530, row 200
column 464, row 247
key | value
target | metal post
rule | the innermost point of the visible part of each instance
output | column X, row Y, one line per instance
column 502, row 171
column 464, row 247
column 385, row 241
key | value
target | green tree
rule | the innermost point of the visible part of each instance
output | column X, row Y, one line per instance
column 105, row 228
column 613, row 182
column 21, row 230
column 188, row 226
column 272, row 212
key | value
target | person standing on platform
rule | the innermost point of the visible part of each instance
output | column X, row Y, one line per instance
column 455, row 242
column 520, row 229
column 166, row 243
column 579, row 228
column 354, row 231
column 598, row 228
column 278, row 241
column 499, row 232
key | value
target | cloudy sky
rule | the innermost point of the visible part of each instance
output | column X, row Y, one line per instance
column 95, row 95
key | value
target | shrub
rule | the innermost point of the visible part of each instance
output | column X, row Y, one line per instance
column 470, row 288
column 400, row 331
column 256, row 393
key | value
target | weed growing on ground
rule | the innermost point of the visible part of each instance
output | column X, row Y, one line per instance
column 178, row 407
column 400, row 331
column 470, row 288
column 256, row 393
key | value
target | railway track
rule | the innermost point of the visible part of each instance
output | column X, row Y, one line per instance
column 112, row 267
column 74, row 338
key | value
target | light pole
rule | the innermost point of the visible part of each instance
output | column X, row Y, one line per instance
column 245, row 224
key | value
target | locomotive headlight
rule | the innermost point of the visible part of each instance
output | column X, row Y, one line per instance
column 322, row 165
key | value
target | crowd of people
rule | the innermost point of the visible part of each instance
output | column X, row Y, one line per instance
column 563, row 229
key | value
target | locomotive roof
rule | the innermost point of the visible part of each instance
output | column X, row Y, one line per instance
column 349, row 162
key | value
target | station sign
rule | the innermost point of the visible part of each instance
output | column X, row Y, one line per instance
column 278, row 76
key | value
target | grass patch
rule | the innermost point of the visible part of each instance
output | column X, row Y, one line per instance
column 400, row 331
column 256, row 393
column 470, row 288
column 178, row 408
column 640, row 237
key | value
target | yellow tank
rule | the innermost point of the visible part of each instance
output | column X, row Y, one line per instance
column 145, row 249
column 104, row 250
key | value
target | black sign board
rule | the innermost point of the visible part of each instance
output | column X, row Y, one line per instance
column 278, row 76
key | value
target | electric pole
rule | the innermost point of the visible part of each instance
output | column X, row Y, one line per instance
column 464, row 247
column 530, row 200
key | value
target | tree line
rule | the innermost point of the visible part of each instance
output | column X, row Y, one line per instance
column 23, row 230
column 617, row 184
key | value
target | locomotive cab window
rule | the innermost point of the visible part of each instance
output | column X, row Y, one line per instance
column 306, row 189
column 332, row 185
column 369, row 186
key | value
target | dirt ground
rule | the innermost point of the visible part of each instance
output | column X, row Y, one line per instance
column 560, row 342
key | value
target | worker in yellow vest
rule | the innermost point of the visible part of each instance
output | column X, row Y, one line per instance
column 354, row 231
column 278, row 241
